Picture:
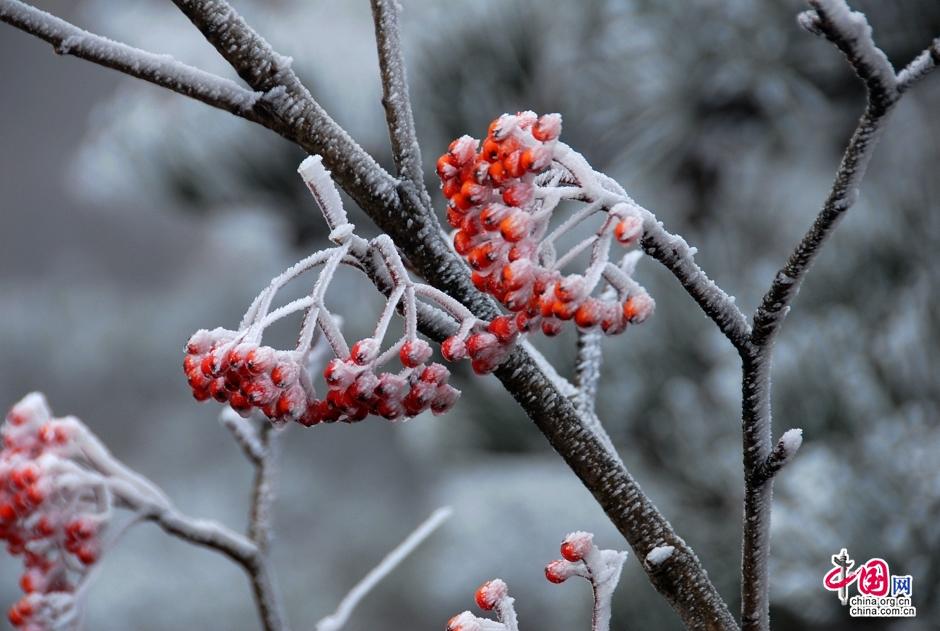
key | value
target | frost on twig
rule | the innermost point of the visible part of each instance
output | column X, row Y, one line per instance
column 396, row 98
column 659, row 555
column 59, row 486
column 336, row 620
column 781, row 455
column 581, row 557
column 851, row 32
column 161, row 70
column 920, row 67
column 602, row 568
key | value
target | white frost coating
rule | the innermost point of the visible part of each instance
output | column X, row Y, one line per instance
column 321, row 186
column 564, row 387
column 336, row 620
column 160, row 69
column 854, row 28
column 659, row 555
column 790, row 442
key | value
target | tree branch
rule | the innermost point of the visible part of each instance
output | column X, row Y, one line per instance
column 679, row 258
column 851, row 33
column 395, row 96
column 162, row 70
column 920, row 67
column 289, row 110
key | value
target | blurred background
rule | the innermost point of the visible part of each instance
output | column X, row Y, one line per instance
column 130, row 217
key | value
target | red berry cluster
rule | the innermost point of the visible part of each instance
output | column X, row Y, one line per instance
column 247, row 376
column 355, row 390
column 493, row 204
column 53, row 525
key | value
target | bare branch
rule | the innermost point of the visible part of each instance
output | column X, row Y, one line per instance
column 161, row 70
column 920, row 67
column 336, row 620
column 395, row 96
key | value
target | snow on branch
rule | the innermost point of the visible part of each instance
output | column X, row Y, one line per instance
column 781, row 455
column 920, row 67
column 161, row 70
column 297, row 116
column 852, row 34
column 338, row 619
column 395, row 96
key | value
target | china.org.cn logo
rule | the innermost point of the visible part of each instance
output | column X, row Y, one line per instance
column 880, row 594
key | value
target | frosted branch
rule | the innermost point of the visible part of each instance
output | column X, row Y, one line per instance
column 336, row 620
column 781, row 455
column 395, row 96
column 161, row 70
column 602, row 568
column 920, row 67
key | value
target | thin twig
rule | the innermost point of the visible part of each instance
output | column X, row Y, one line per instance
column 851, row 33
column 162, row 70
column 336, row 620
column 395, row 96
column 920, row 67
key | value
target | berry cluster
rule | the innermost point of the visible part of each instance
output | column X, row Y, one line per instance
column 580, row 558
column 247, row 375
column 52, row 512
column 501, row 197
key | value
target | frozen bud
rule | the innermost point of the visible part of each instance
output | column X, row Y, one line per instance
column 453, row 349
column 629, row 230
column 285, row 373
column 200, row 342
column 515, row 226
column 414, row 352
column 490, row 593
column 291, row 404
column 493, row 214
column 339, row 374
column 480, row 345
column 518, row 194
column 588, row 314
column 463, row 149
column 504, row 328
column 558, row 571
column 551, row 327
column 390, row 386
column 517, row 274
column 465, row 621
column 236, row 356
column 447, row 167
column 445, row 397
column 435, row 373
column 363, row 388
column 638, row 307
column 547, row 128
column 570, row 288
column 260, row 359
column 577, row 545
column 364, row 351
